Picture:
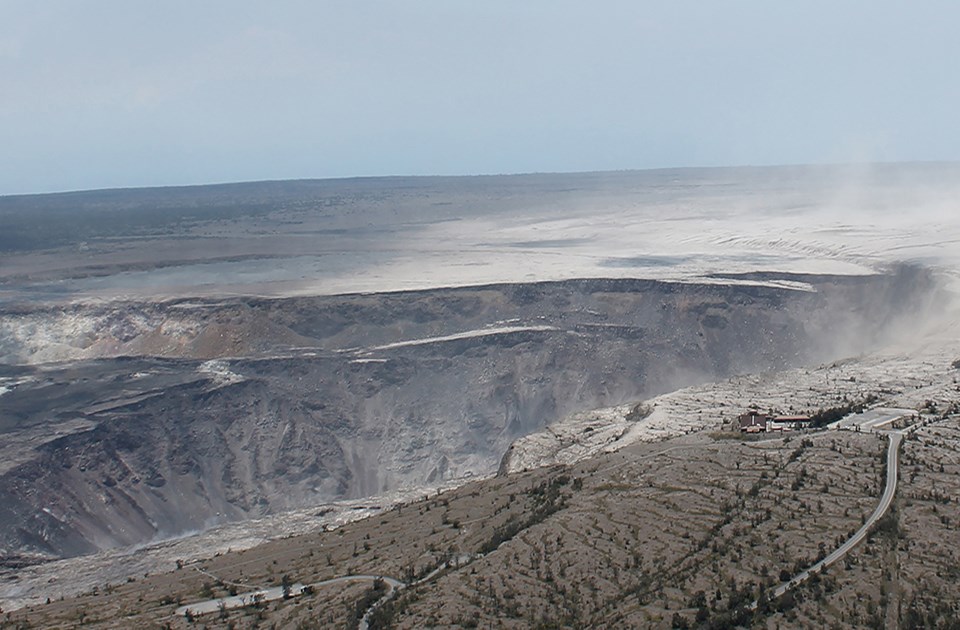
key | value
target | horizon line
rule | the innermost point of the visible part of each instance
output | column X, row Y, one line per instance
column 224, row 183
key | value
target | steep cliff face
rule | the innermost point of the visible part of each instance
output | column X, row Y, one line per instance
column 351, row 396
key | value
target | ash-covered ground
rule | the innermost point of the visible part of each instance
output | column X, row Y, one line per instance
column 268, row 359
column 330, row 398
column 387, row 234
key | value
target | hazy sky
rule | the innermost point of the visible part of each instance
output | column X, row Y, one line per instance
column 97, row 93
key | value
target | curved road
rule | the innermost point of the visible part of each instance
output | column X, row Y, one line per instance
column 893, row 453
column 393, row 585
column 271, row 594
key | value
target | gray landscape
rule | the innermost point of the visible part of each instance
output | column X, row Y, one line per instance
column 479, row 315
column 193, row 371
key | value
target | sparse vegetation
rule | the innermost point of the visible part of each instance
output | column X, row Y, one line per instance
column 823, row 417
column 371, row 596
column 598, row 544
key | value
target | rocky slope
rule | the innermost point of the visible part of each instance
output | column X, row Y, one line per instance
column 267, row 405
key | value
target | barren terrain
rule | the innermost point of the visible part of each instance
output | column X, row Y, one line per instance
column 514, row 397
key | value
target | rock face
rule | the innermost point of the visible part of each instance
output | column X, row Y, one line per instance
column 237, row 408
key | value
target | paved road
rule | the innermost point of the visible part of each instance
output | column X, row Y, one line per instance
column 872, row 419
column 393, row 585
column 271, row 594
column 893, row 453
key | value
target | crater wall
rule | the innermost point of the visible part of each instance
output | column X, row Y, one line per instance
column 170, row 417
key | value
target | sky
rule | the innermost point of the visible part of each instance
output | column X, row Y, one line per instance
column 120, row 93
